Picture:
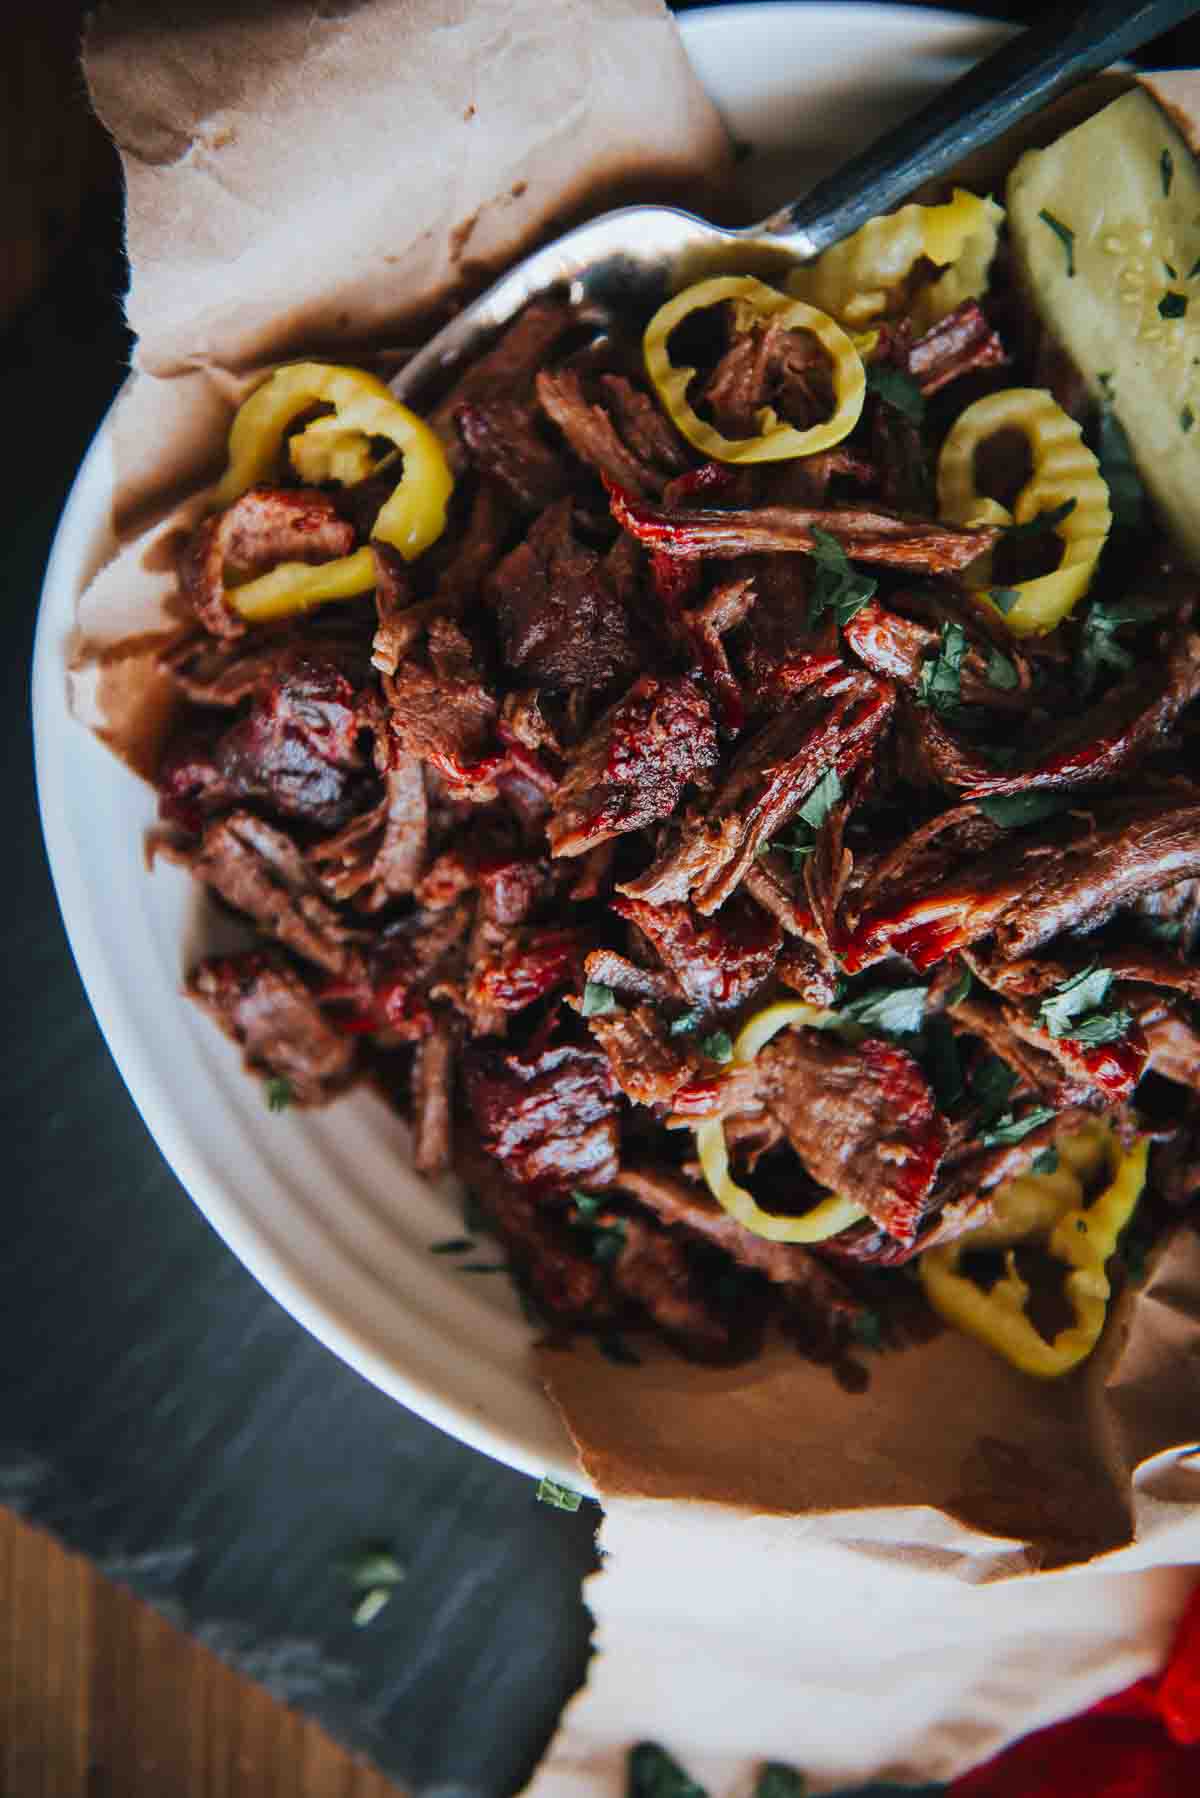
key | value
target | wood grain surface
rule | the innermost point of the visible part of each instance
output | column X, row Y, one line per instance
column 101, row 1697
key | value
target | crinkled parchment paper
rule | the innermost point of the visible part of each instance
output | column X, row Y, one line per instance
column 891, row 1582
column 327, row 177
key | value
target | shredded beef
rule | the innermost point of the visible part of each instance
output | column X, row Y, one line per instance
column 503, row 442
column 862, row 1120
column 718, row 965
column 633, row 766
column 648, row 1065
column 591, row 433
column 264, row 1006
column 652, row 1269
column 432, row 1087
column 549, row 1118
column 259, row 871
column 1043, row 883
column 447, row 722
column 561, row 621
column 913, row 544
column 958, row 343
column 771, row 776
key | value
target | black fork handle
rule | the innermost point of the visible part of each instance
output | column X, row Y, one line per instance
column 1073, row 41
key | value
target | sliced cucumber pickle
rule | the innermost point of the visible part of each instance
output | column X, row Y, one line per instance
column 1105, row 228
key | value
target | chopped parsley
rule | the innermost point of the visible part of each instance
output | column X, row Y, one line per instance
column 942, row 1062
column 1172, row 304
column 278, row 1090
column 1098, row 645
column 897, row 390
column 822, row 799
column 453, row 1245
column 718, row 1046
column 653, row 1773
column 1010, row 810
column 896, row 1010
column 615, row 1348
column 939, row 684
column 373, row 1573
column 597, row 999
column 1045, row 521
column 1164, row 930
column 1076, row 1010
column 1045, row 1162
column 687, row 1020
column 810, row 817
column 558, row 1494
column 1064, row 234
column 777, row 1780
column 1008, row 1129
column 1166, row 169
column 1187, row 419
column 1002, row 671
column 992, row 1083
column 1004, row 598
column 605, row 1241
column 867, row 1329
column 961, row 987
column 837, row 586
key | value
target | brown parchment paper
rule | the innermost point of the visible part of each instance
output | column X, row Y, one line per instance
column 329, row 178
column 307, row 178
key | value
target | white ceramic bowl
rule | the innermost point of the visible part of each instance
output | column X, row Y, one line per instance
column 322, row 1207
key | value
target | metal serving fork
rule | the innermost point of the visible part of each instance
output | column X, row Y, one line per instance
column 625, row 263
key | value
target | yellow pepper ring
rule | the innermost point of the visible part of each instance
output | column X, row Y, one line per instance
column 336, row 447
column 823, row 1220
column 869, row 274
column 1082, row 1237
column 1063, row 469
column 776, row 441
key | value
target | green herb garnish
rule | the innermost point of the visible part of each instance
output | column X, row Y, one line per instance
column 686, row 1021
column 1163, row 930
column 1045, row 1162
column 1098, row 645
column 1010, row 810
column 837, row 585
column 1076, row 1011
column 1045, row 521
column 961, row 987
column 558, row 1494
column 1009, row 1129
column 897, row 390
column 374, row 1573
column 1187, row 419
column 453, row 1245
column 718, row 1046
column 1172, row 304
column 278, row 1090
column 867, row 1329
column 992, row 1083
column 822, row 799
column 777, row 1780
column 942, row 1062
column 1064, row 234
column 939, row 684
column 615, row 1348
column 587, row 1205
column 1001, row 671
column 896, row 1010
column 653, row 1773
column 597, row 999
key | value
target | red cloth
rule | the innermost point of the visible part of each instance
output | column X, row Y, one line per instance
column 1143, row 1742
